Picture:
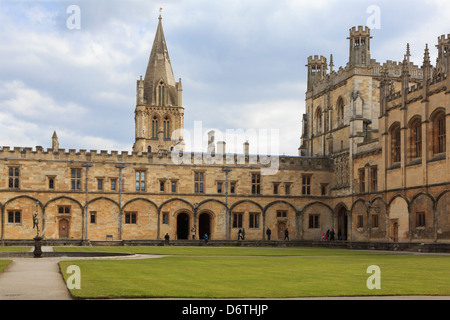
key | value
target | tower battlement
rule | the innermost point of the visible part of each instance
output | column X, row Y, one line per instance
column 360, row 31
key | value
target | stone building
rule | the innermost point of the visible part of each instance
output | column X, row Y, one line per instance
column 372, row 165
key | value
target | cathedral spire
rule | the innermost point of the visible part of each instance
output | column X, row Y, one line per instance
column 159, row 81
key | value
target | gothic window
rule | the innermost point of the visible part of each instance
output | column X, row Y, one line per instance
column 256, row 184
column 75, row 181
column 14, row 175
column 161, row 94
column 439, row 133
column 319, row 120
column 140, row 180
column 395, row 144
column 416, row 139
column 166, row 128
column 362, row 180
column 155, row 127
column 340, row 112
column 198, row 182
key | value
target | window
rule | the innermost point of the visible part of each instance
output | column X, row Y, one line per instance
column 93, row 216
column 165, row 218
column 319, row 120
column 314, row 221
column 75, row 183
column 162, row 185
column 306, row 185
column 416, row 139
column 323, row 189
column 51, row 183
column 373, row 179
column 14, row 175
column 420, row 219
column 287, row 188
column 360, row 221
column 256, row 183
column 64, row 209
column 375, row 221
column 173, row 186
column 161, row 94
column 396, row 144
column 166, row 128
column 198, row 182
column 232, row 187
column 154, row 128
column 439, row 133
column 253, row 223
column 130, row 218
column 362, row 180
column 140, row 180
column 275, row 188
column 219, row 187
column 281, row 214
column 113, row 184
column 237, row 220
column 100, row 184
column 14, row 217
column 340, row 112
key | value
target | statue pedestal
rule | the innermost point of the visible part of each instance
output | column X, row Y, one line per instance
column 37, row 246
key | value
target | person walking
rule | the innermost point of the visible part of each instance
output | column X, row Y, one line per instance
column 193, row 233
column 332, row 235
column 286, row 234
column 205, row 237
column 167, row 237
column 240, row 234
column 268, row 232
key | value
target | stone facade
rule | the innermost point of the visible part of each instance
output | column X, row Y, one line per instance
column 345, row 178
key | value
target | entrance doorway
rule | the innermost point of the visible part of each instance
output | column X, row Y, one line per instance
column 395, row 231
column 281, row 229
column 63, row 229
column 182, row 226
column 204, row 225
column 342, row 224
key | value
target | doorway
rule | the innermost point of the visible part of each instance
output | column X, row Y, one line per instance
column 63, row 229
column 342, row 224
column 204, row 225
column 182, row 226
column 281, row 229
column 395, row 231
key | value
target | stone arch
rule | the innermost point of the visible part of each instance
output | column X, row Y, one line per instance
column 398, row 211
column 422, row 217
column 247, row 215
column 378, row 219
column 22, row 222
column 73, row 216
column 310, row 227
column 147, row 215
column 107, row 219
column 176, row 226
column 443, row 216
column 176, row 199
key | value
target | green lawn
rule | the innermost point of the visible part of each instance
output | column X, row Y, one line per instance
column 4, row 264
column 14, row 249
column 222, row 251
column 321, row 272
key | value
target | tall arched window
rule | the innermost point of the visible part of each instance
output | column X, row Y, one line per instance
column 340, row 112
column 161, row 95
column 416, row 138
column 166, row 128
column 395, row 143
column 155, row 127
column 439, row 132
column 319, row 120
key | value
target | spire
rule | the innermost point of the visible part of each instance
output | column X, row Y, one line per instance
column 159, row 73
column 55, row 142
column 426, row 57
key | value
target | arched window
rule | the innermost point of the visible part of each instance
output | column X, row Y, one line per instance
column 155, row 127
column 166, row 128
column 416, row 139
column 340, row 112
column 439, row 132
column 395, row 143
column 161, row 95
column 319, row 120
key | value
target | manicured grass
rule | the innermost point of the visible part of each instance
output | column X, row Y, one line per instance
column 4, row 264
column 261, row 276
column 14, row 249
column 223, row 251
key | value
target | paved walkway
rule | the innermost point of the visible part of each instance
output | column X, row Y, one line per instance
column 33, row 279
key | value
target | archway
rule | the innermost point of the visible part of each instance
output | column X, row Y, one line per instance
column 204, row 225
column 342, row 224
column 182, row 226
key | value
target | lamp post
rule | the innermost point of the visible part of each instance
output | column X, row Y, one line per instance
column 120, row 167
column 87, row 166
column 226, row 170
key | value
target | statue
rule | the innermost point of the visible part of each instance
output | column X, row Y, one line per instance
column 36, row 223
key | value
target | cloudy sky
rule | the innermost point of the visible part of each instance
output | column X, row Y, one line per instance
column 242, row 62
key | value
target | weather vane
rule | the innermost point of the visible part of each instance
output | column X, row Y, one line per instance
column 160, row 10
